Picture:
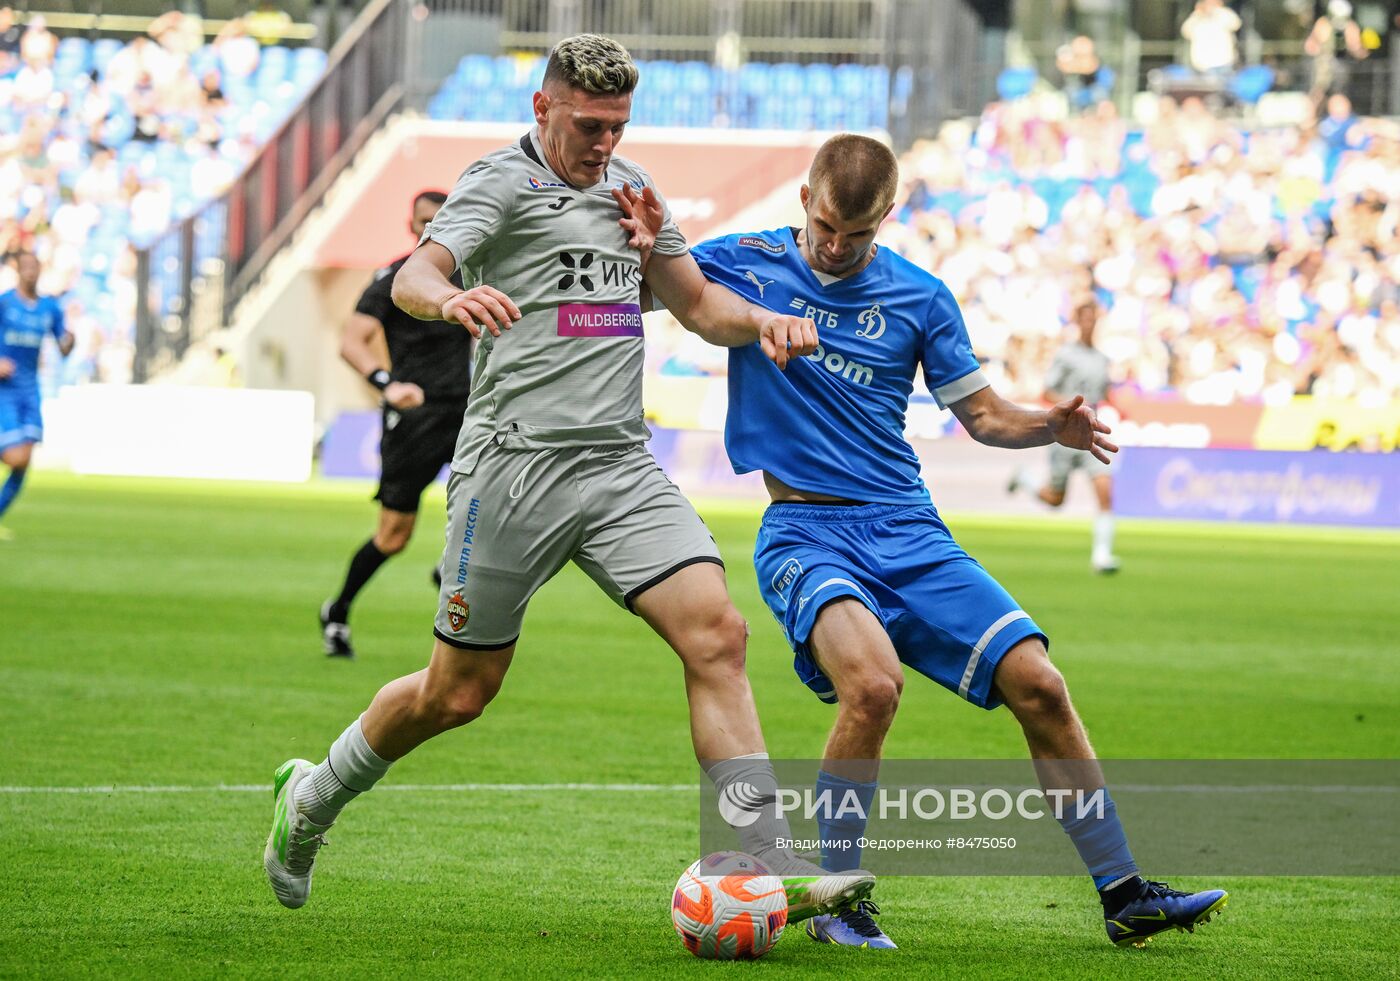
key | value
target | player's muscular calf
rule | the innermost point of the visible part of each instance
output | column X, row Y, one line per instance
column 1035, row 692
column 453, row 690
column 394, row 531
column 692, row 612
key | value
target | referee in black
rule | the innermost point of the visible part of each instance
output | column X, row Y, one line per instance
column 424, row 391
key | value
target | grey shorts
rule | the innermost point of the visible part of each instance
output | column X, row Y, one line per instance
column 521, row 514
column 1064, row 461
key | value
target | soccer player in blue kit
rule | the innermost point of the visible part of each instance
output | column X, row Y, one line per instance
column 853, row 559
column 25, row 317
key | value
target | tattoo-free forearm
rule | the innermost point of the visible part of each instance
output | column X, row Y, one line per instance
column 421, row 287
column 992, row 420
column 722, row 317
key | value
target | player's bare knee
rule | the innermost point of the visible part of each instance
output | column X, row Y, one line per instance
column 394, row 533
column 458, row 705
column 1042, row 693
column 873, row 700
column 719, row 645
column 391, row 543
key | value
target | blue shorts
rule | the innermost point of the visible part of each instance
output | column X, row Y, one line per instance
column 20, row 421
column 948, row 619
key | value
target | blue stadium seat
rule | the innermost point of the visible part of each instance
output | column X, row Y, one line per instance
column 850, row 80
column 1251, row 83
column 102, row 51
column 821, row 79
column 1016, row 83
column 755, row 78
column 696, row 77
column 204, row 60
column 474, row 71
column 788, row 79
column 663, row 77
column 313, row 57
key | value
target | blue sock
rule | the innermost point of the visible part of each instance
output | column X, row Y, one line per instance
column 1100, row 841
column 10, row 490
column 841, row 827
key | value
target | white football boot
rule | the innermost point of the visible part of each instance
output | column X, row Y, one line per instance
column 292, row 845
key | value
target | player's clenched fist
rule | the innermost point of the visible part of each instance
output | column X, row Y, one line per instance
column 481, row 307
column 783, row 337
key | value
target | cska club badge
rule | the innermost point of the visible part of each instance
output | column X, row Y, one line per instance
column 458, row 612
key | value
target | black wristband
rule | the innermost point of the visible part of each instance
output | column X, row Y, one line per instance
column 379, row 378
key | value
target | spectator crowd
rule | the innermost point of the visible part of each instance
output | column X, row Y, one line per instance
column 1231, row 264
column 104, row 144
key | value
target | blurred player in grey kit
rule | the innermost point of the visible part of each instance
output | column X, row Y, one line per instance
column 1079, row 368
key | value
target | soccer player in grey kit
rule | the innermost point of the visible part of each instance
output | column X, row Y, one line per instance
column 1080, row 368
column 551, row 464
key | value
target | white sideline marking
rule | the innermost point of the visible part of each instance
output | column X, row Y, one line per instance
column 264, row 788
column 653, row 788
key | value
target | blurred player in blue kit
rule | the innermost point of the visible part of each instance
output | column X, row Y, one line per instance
column 25, row 319
column 853, row 559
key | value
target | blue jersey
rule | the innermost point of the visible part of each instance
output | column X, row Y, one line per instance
column 833, row 422
column 23, row 325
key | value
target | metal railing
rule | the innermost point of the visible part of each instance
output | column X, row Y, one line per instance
column 190, row 278
column 1372, row 84
column 691, row 30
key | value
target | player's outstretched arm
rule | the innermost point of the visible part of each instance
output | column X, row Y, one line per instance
column 721, row 316
column 422, row 290
column 992, row 420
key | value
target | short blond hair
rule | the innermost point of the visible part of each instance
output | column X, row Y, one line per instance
column 593, row 63
column 857, row 175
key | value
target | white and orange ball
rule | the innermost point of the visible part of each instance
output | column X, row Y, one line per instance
column 729, row 906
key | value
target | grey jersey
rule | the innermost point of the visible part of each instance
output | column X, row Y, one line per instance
column 569, row 372
column 1079, row 370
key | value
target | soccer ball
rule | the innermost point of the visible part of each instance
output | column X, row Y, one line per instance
column 729, row 906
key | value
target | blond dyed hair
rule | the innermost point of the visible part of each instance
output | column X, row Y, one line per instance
column 593, row 63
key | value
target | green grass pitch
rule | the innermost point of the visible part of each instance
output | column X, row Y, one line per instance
column 163, row 634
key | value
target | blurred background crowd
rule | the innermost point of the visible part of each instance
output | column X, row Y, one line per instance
column 104, row 143
column 1230, row 264
column 1238, row 252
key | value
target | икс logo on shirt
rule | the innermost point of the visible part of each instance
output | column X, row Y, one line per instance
column 583, row 270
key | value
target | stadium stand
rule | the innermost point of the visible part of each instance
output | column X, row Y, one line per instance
column 106, row 143
column 758, row 95
column 1234, row 264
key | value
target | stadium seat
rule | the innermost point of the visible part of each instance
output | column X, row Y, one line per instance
column 821, row 80
column 103, row 50
column 1016, row 83
column 1249, row 84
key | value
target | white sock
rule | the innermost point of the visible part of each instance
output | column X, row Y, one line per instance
column 349, row 769
column 1026, row 480
column 1103, row 534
